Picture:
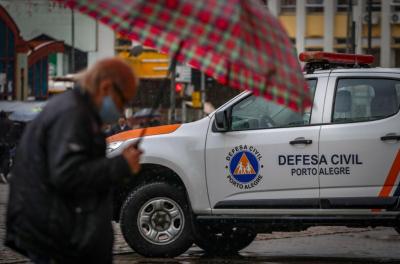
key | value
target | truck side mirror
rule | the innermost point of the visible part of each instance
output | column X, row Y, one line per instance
column 222, row 121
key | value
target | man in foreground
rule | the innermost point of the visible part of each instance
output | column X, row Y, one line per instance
column 60, row 204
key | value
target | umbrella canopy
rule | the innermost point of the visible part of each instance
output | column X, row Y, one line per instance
column 238, row 42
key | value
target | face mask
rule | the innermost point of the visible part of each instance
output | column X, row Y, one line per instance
column 109, row 112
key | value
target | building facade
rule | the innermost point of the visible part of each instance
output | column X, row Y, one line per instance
column 9, row 34
column 323, row 25
column 24, row 64
column 46, row 17
column 43, row 38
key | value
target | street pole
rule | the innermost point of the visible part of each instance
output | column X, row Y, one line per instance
column 72, row 41
column 172, row 96
column 203, row 90
column 349, row 27
column 369, row 26
column 353, row 37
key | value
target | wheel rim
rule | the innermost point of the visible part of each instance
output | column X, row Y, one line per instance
column 161, row 221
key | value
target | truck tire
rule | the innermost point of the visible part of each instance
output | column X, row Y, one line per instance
column 224, row 240
column 156, row 220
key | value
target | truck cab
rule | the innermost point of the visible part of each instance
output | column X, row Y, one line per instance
column 254, row 166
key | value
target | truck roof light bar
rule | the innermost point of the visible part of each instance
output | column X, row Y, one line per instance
column 329, row 60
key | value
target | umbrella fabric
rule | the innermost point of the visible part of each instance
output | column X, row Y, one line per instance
column 238, row 42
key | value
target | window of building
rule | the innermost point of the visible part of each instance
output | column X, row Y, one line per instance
column 376, row 52
column 359, row 100
column 315, row 6
column 395, row 40
column 288, row 6
column 341, row 41
column 343, row 5
column 314, row 49
column 340, row 45
column 397, row 58
column 395, row 6
column 340, row 50
column 375, row 6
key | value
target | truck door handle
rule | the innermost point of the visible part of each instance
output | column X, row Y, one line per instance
column 300, row 141
column 390, row 137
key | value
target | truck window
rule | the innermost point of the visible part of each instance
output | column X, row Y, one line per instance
column 257, row 113
column 358, row 100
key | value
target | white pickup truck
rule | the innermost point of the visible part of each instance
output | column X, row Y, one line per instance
column 254, row 166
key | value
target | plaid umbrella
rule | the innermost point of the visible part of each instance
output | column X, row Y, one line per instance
column 238, row 42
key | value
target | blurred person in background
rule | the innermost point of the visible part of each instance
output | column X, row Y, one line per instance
column 121, row 126
column 60, row 200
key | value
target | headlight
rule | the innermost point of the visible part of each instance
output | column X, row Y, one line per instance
column 113, row 146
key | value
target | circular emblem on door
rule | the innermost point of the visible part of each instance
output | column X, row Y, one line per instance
column 244, row 166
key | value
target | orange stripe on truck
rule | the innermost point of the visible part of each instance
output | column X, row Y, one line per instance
column 390, row 179
column 150, row 131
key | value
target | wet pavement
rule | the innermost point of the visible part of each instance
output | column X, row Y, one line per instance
column 380, row 245
column 315, row 245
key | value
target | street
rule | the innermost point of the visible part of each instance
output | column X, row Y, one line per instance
column 209, row 121
column 315, row 245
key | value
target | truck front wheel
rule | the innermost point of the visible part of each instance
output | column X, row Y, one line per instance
column 155, row 220
column 223, row 240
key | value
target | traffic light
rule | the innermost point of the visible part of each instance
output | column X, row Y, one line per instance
column 196, row 80
column 178, row 87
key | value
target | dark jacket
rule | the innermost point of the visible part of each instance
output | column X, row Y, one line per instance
column 5, row 128
column 60, row 202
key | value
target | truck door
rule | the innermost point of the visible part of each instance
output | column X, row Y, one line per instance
column 267, row 158
column 360, row 142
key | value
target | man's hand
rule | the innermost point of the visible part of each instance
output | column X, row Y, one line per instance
column 132, row 155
